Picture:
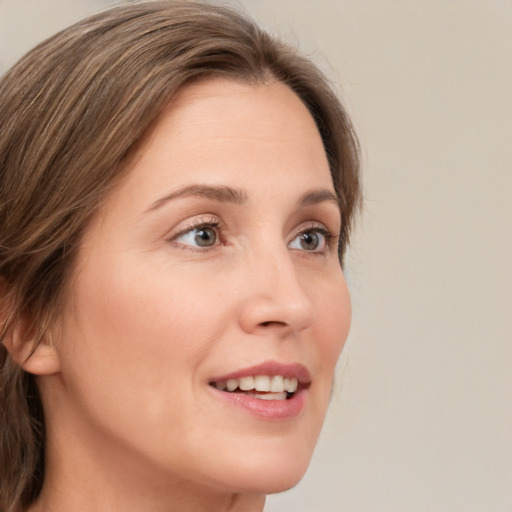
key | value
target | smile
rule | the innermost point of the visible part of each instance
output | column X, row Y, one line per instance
column 264, row 387
column 271, row 391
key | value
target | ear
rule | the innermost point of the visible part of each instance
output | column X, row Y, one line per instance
column 20, row 342
column 41, row 360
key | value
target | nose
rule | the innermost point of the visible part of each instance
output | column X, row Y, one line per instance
column 275, row 300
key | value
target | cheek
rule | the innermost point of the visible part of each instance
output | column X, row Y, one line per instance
column 333, row 321
column 332, row 326
column 141, row 327
column 131, row 346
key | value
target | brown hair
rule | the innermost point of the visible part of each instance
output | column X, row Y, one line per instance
column 70, row 111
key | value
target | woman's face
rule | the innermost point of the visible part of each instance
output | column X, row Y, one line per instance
column 214, row 261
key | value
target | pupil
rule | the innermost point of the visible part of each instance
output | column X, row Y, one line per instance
column 310, row 241
column 205, row 237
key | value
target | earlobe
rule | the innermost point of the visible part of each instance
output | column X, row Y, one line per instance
column 43, row 360
column 40, row 359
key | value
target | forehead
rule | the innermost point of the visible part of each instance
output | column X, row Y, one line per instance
column 257, row 138
column 222, row 120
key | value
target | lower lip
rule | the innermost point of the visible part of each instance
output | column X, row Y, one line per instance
column 269, row 410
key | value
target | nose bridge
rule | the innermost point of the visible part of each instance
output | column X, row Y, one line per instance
column 275, row 296
column 283, row 272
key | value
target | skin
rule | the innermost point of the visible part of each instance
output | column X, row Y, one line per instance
column 151, row 316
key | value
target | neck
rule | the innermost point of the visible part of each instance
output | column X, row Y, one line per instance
column 79, row 501
column 65, row 490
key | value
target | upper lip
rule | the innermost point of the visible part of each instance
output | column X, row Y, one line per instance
column 270, row 368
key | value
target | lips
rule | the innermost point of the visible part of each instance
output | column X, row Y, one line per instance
column 271, row 390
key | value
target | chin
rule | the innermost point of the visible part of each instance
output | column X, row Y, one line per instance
column 270, row 473
column 271, row 482
column 282, row 482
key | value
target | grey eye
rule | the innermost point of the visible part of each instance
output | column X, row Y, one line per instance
column 205, row 237
column 309, row 241
column 313, row 240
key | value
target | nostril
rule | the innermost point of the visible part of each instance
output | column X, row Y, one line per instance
column 269, row 323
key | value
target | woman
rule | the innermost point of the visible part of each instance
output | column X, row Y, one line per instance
column 177, row 192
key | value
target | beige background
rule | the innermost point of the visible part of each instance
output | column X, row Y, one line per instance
column 421, row 419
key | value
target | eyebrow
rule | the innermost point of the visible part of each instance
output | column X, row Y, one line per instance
column 227, row 194
column 318, row 196
column 219, row 193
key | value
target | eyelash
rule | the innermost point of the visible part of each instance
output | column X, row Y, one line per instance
column 218, row 227
column 201, row 223
column 329, row 238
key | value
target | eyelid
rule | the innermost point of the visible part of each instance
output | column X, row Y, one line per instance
column 331, row 239
column 313, row 225
column 204, row 221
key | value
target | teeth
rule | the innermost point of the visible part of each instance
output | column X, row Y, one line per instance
column 292, row 387
column 262, row 383
column 246, row 383
column 232, row 384
column 275, row 384
column 269, row 396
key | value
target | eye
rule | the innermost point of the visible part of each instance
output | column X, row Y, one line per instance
column 312, row 240
column 203, row 236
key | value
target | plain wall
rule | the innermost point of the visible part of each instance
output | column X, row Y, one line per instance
column 421, row 418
